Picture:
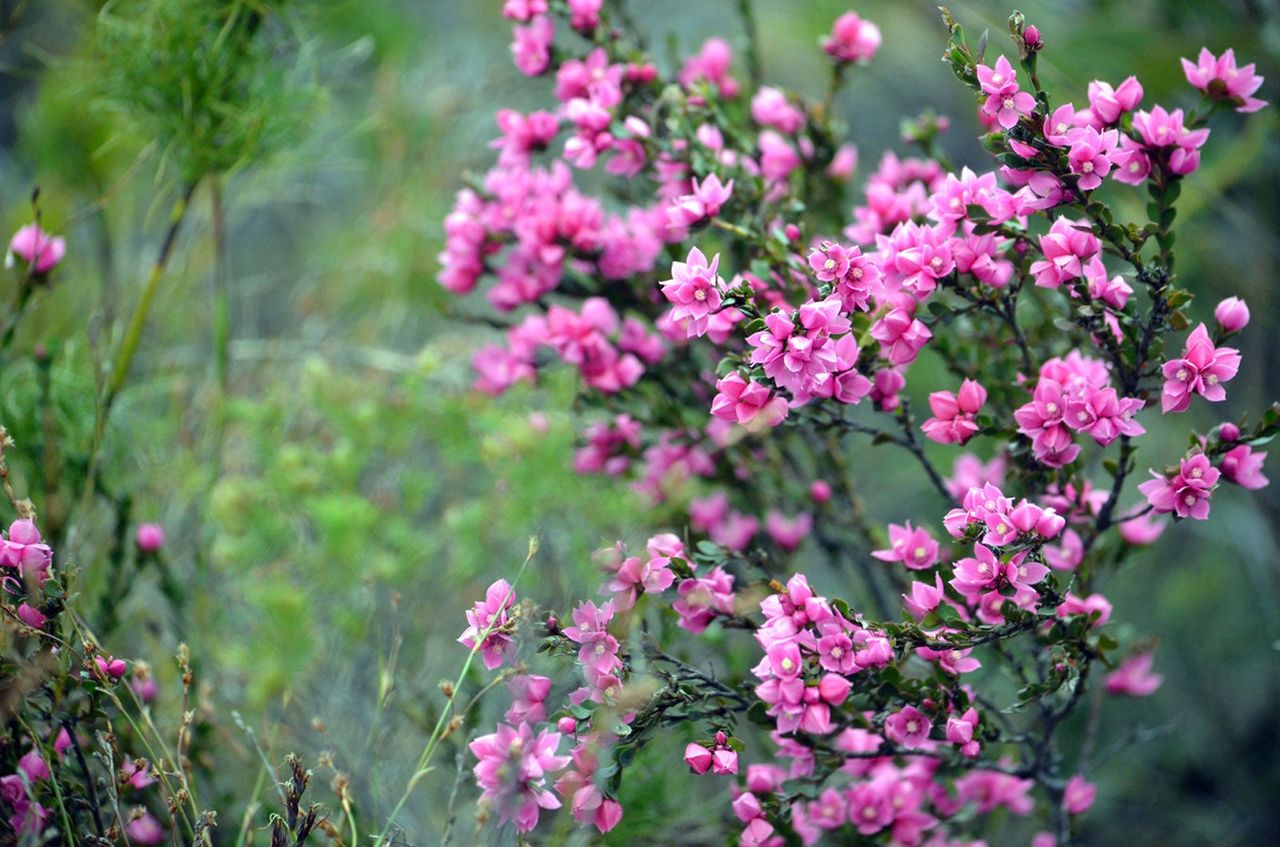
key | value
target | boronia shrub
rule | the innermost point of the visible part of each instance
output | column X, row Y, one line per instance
column 738, row 331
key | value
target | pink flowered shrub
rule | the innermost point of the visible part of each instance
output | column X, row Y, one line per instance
column 738, row 327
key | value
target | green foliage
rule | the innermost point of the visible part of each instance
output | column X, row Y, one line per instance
column 205, row 78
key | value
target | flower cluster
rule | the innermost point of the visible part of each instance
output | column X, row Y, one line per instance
column 729, row 310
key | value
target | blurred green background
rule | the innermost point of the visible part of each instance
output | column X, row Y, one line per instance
column 332, row 517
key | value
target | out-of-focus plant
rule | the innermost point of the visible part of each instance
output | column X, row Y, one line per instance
column 726, row 389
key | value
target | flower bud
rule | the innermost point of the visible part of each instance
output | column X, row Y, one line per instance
column 820, row 491
column 1229, row 432
column 1232, row 314
column 150, row 537
column 747, row 807
column 1031, row 39
column 697, row 757
column 724, row 761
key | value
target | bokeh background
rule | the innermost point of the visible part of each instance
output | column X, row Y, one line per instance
column 332, row 517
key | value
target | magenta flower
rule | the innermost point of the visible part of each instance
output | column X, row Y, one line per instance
column 1004, row 101
column 852, row 39
column 1243, row 466
column 711, row 64
column 1232, row 314
column 531, row 45
column 150, row 537
column 511, row 772
column 523, row 10
column 901, row 336
column 924, row 597
column 908, row 727
column 145, row 830
column 488, row 624
column 788, row 532
column 954, row 418
column 1201, row 370
column 693, row 291
column 1163, row 131
column 1079, row 795
column 747, row 403
column 1186, row 493
column 1095, row 607
column 1090, row 156
column 1222, row 80
column 1134, row 678
column 41, row 251
column 1107, row 104
column 1066, row 248
column 914, row 548
column 697, row 757
column 703, row 599
column 529, row 693
column 32, row 616
column 770, row 108
column 960, row 731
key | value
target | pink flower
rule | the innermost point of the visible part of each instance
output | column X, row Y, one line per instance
column 747, row 403
column 708, row 197
column 523, row 10
column 1090, row 156
column 25, row 550
column 1066, row 248
column 1141, row 531
column 1222, row 80
column 1107, row 104
column 703, row 599
column 511, row 772
column 901, row 336
column 693, row 291
column 711, row 65
column 1243, row 466
column 1079, row 795
column 528, row 695
column 1163, row 131
column 35, row 619
column 697, row 757
column 1187, row 492
column 488, row 622
column 960, row 731
column 969, row 471
column 145, row 830
column 1201, row 370
column 110, row 667
column 33, row 765
column 954, row 415
column 150, row 537
column 531, row 45
column 908, row 727
column 1232, row 314
column 788, row 532
column 40, row 250
column 136, row 773
column 852, row 39
column 585, row 17
column 1133, row 677
column 1094, row 606
column 1004, row 101
column 914, row 548
column 769, row 107
column 924, row 597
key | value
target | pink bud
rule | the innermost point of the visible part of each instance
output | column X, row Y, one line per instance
column 33, row 765
column 1229, row 432
column 1031, row 38
column 697, row 757
column 765, row 779
column 567, row 725
column 724, row 761
column 834, row 688
column 113, row 668
column 145, row 687
column 1051, row 524
column 31, row 616
column 150, row 537
column 1079, row 795
column 820, row 491
column 747, row 807
column 721, row 739
column 62, row 743
column 1232, row 314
